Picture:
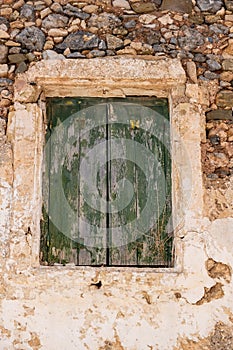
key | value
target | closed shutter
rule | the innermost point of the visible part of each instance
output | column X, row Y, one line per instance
column 107, row 182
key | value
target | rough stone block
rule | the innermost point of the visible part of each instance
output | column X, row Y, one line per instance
column 228, row 64
column 3, row 70
column 219, row 114
column 225, row 99
column 184, row 6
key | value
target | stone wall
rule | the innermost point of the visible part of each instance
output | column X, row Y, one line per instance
column 117, row 48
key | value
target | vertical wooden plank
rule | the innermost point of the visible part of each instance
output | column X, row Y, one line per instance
column 148, row 247
column 122, row 173
column 83, row 247
column 58, row 245
column 93, row 250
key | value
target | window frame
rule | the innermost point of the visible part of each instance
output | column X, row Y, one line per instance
column 109, row 77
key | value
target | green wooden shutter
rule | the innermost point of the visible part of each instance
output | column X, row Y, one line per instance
column 127, row 221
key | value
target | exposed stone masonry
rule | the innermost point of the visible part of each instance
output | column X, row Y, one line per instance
column 183, row 308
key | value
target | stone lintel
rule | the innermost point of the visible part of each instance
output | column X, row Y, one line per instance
column 69, row 77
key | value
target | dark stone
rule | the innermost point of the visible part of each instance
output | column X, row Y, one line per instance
column 173, row 54
column 152, row 37
column 211, row 56
column 212, row 176
column 130, row 24
column 148, row 36
column 229, row 4
column 214, row 140
column 211, row 6
column 171, row 47
column 143, row 7
column 5, row 82
column 28, row 12
column 22, row 67
column 55, row 21
column 222, row 172
column 73, row 11
column 97, row 53
column 184, row 6
column 158, row 48
column 191, row 39
column 219, row 114
column 3, row 20
column 105, row 20
column 211, row 75
column 224, row 99
column 17, row 58
column 32, row 38
column 157, row 2
column 196, row 18
column 219, row 29
column 79, row 41
column 110, row 53
column 15, row 50
column 173, row 41
column 184, row 54
column 113, row 42
column 75, row 55
column 198, row 57
column 102, row 45
column 31, row 57
column 3, row 53
column 213, row 65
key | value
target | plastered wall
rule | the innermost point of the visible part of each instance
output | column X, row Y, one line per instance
column 58, row 307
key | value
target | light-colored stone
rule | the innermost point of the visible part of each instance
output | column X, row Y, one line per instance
column 58, row 32
column 192, row 71
column 147, row 19
column 228, row 51
column 226, row 76
column 48, row 45
column 45, row 13
column 17, row 25
column 4, row 35
column 136, row 45
column 3, row 70
column 6, row 11
column 228, row 64
column 90, row 8
column 165, row 20
column 192, row 91
column 52, row 55
column 12, row 43
column 18, row 4
column 229, row 18
column 127, row 51
column 121, row 3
